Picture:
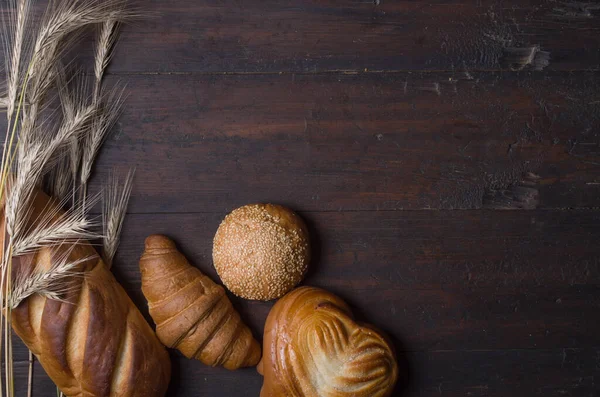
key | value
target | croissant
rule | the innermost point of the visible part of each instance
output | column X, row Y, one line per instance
column 191, row 312
column 95, row 342
column 313, row 347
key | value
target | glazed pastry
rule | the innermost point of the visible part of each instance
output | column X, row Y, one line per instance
column 94, row 342
column 261, row 251
column 191, row 312
column 313, row 347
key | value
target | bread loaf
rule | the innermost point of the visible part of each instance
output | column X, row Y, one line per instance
column 192, row 313
column 313, row 347
column 95, row 342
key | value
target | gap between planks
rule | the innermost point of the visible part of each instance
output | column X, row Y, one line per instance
column 442, row 351
column 490, row 210
column 340, row 72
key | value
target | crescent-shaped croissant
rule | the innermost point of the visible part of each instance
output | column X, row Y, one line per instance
column 191, row 312
column 313, row 347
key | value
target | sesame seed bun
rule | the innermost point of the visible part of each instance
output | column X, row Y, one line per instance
column 261, row 251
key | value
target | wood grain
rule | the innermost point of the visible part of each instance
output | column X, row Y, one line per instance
column 518, row 373
column 360, row 142
column 231, row 36
column 535, row 284
column 538, row 267
column 313, row 36
column 444, row 153
column 408, row 273
column 410, row 250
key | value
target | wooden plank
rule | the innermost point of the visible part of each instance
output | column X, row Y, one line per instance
column 433, row 280
column 517, row 373
column 360, row 142
column 313, row 36
column 410, row 250
column 308, row 36
column 506, row 373
column 438, row 280
column 460, row 319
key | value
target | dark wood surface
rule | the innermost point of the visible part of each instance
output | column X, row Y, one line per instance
column 450, row 185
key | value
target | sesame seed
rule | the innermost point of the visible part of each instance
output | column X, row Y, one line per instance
column 261, row 251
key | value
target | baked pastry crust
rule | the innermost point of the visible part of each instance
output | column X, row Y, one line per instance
column 313, row 347
column 95, row 342
column 191, row 312
column 261, row 251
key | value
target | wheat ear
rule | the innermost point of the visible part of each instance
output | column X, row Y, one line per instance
column 110, row 109
column 54, row 227
column 106, row 41
column 114, row 208
column 102, row 124
column 30, row 151
column 33, row 159
column 59, row 181
column 14, row 69
column 49, row 283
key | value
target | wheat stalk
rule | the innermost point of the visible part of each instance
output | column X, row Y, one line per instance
column 50, row 283
column 54, row 228
column 101, row 126
column 65, row 20
column 114, row 208
column 106, row 41
column 30, row 375
column 14, row 43
column 68, row 17
column 32, row 148
column 16, row 51
column 59, row 180
column 69, row 98
column 99, row 130
column 32, row 163
column 5, row 286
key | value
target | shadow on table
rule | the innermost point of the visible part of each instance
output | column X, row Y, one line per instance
column 405, row 371
column 176, row 378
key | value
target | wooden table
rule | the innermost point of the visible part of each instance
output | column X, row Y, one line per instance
column 444, row 153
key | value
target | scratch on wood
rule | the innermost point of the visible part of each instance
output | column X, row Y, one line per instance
column 518, row 58
column 434, row 87
column 575, row 10
column 522, row 194
column 505, row 40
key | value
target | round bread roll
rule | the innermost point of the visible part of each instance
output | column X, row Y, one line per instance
column 261, row 251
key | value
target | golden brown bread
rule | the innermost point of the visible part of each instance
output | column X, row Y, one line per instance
column 261, row 251
column 96, row 342
column 191, row 312
column 313, row 347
